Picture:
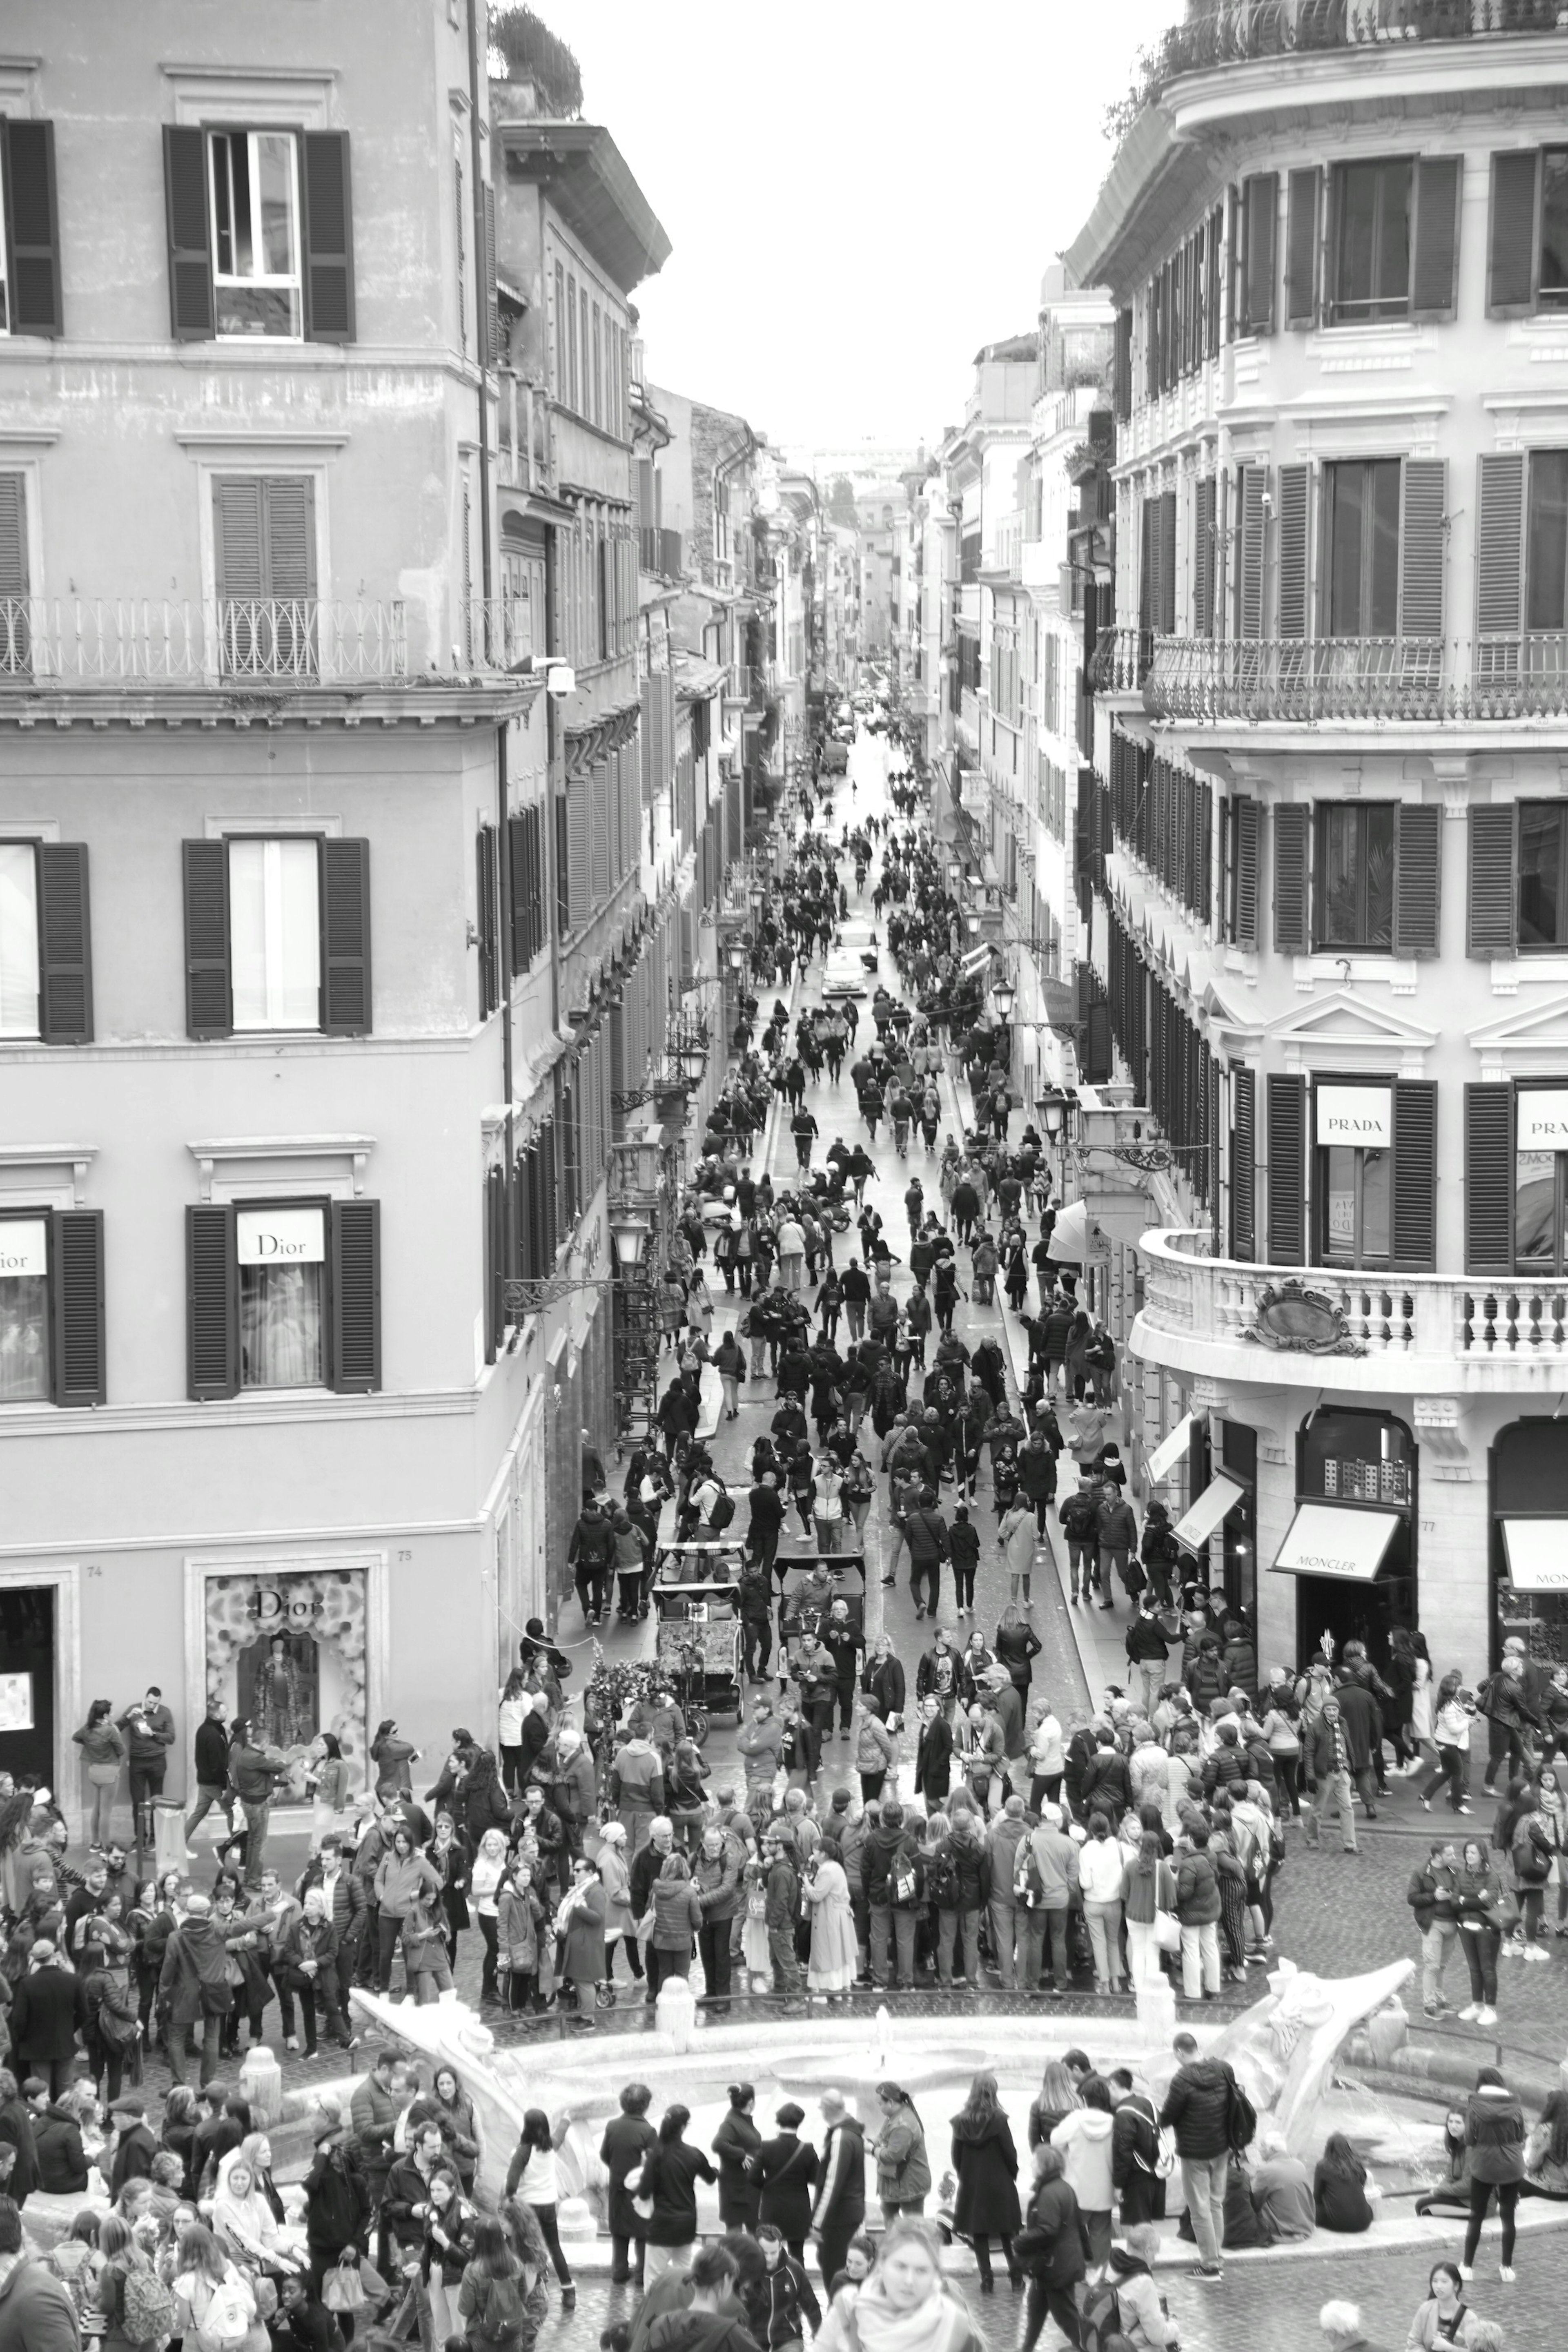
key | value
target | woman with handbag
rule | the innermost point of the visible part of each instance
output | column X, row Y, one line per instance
column 1148, row 1907
column 534, row 2178
column 448, row 2248
column 580, row 1922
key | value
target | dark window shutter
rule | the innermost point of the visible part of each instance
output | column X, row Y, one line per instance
column 1490, row 926
column 1511, row 270
column 32, row 227
column 1416, row 1174
column 76, row 1259
column 1260, row 199
column 1303, row 200
column 1123, row 365
column 1243, row 1164
column 191, row 307
column 1167, row 619
column 578, row 848
column 14, row 576
column 1203, row 556
column 1097, row 1038
column 1435, row 270
column 1292, row 899
column 484, row 906
column 1425, row 493
column 1286, row 1170
column 65, row 945
column 495, row 1240
column 1489, row 1179
column 1251, row 481
column 1417, row 881
column 518, row 858
column 1500, row 547
column 212, row 1302
column 1211, row 292
column 490, row 319
column 1246, row 934
column 356, row 1297
column 239, row 538
column 329, row 239
column 1293, row 491
column 346, row 938
column 209, row 1000
column 288, row 504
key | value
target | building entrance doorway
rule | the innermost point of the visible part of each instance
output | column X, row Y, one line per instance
column 27, row 1680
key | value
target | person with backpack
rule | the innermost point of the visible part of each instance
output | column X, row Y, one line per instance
column 1125, row 2300
column 139, row 2311
column 1206, row 2109
column 215, row 2302
column 492, row 2297
column 1079, row 1515
column 337, row 2198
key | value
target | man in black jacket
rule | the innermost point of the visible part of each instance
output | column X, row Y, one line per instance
column 48, row 2010
column 212, row 1762
column 1197, row 2109
column 1433, row 1895
column 839, row 2209
column 767, row 1518
column 337, row 2198
column 591, row 1553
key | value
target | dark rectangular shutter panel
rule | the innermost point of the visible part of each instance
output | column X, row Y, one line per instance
column 495, row 1259
column 1243, row 1164
column 346, row 938
column 289, row 506
column 1417, row 881
column 65, row 945
column 1211, row 296
column 14, row 575
column 579, row 848
column 329, row 239
column 77, row 1262
column 1421, row 548
column 209, row 1005
column 1435, row 264
column 490, row 322
column 356, row 1297
column 1494, row 897
column 1246, row 872
column 191, row 306
column 32, row 227
column 1203, row 559
column 1416, row 1174
column 1500, row 547
column 1489, row 1179
column 1286, row 1170
column 1250, row 486
column 1167, row 563
column 1150, row 522
column 1511, row 271
column 239, row 538
column 485, row 911
column 212, row 1302
column 1293, row 488
column 1123, row 365
column 1303, row 199
column 1292, row 831
column 518, row 858
column 1262, row 200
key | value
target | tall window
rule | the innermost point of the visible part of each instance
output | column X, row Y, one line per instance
column 18, row 940
column 256, row 231
column 282, row 1258
column 1363, row 549
column 24, row 1310
column 1541, row 1211
column 1372, row 254
column 572, row 398
column 1546, row 541
column 598, row 371
column 1353, row 876
column 1542, row 874
column 1354, row 1139
column 275, row 934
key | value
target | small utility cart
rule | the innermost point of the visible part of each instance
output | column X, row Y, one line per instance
column 696, row 1610
column 810, row 1583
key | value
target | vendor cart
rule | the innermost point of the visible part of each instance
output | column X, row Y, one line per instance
column 810, row 1583
column 696, row 1609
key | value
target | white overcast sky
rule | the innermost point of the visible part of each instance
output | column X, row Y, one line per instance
column 858, row 193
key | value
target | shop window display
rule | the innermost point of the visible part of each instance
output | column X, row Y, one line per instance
column 287, row 1650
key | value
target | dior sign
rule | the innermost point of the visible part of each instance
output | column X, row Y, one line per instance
column 24, row 1248
column 280, row 1237
column 1356, row 1114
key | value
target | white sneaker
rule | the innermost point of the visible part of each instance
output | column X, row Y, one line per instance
column 1467, row 2270
column 1469, row 2013
column 1506, row 2274
column 1486, row 2017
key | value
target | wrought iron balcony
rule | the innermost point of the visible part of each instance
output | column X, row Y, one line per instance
column 1225, row 32
column 1120, row 660
column 1300, row 681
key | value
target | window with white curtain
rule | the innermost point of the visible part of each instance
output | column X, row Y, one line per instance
column 282, row 1256
column 24, row 1310
column 275, row 920
column 18, row 940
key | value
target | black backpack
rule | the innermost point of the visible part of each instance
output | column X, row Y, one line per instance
column 722, row 1510
column 1100, row 2318
column 1240, row 2118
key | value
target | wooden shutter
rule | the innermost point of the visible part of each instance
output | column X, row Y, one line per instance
column 14, row 573
column 1166, row 620
column 490, row 307
column 1500, row 547
column 599, row 796
column 1417, row 881
column 192, row 311
column 1260, row 201
column 484, row 923
column 239, row 538
column 1246, row 902
column 1303, row 203
column 288, row 543
column 1294, row 484
column 76, row 1257
column 1510, row 261
column 31, row 227
column 65, row 945
column 1292, row 827
column 356, row 1270
column 579, row 849
column 1203, row 555
column 1416, row 1174
column 1148, row 593
column 1423, row 495
column 346, row 938
column 212, row 1302
column 1489, row 1179
column 1287, row 1187
column 1123, row 393
column 329, row 239
column 1433, row 270
column 1211, row 302
column 1251, row 481
column 1243, row 1163
column 495, row 1256
column 209, row 1000
column 519, row 857
column 1491, row 924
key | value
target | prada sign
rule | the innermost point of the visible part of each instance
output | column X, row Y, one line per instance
column 1544, row 1119
column 1361, row 1116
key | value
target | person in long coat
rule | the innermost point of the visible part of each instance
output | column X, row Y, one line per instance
column 831, row 1966
column 628, row 2136
column 785, row 2170
column 933, row 1755
column 582, row 1913
column 987, row 2164
column 735, row 2141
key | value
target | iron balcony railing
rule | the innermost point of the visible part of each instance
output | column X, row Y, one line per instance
column 1226, row 32
column 1120, row 660
column 75, row 643
column 1300, row 681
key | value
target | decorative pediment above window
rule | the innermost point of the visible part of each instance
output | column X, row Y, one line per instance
column 1527, row 1043
column 1348, row 1031
column 272, row 1167
column 1228, row 1030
